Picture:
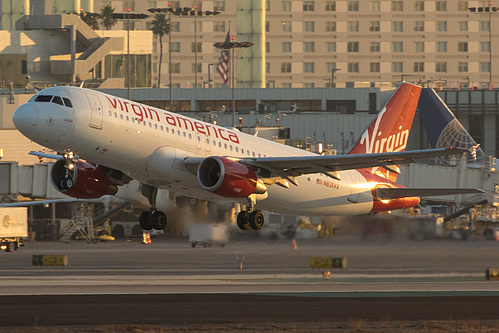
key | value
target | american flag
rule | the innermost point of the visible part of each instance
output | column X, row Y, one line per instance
column 473, row 151
column 223, row 61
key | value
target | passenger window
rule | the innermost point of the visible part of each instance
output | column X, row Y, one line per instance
column 67, row 102
column 43, row 98
column 57, row 100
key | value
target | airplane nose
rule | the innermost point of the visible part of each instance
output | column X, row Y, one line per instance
column 25, row 118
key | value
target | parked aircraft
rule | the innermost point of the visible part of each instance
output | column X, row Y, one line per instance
column 122, row 140
column 443, row 129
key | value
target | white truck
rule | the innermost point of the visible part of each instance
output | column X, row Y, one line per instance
column 13, row 227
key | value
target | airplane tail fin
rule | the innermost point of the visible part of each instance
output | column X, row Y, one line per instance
column 389, row 131
column 443, row 129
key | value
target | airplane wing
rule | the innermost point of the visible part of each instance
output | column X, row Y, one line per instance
column 393, row 193
column 299, row 165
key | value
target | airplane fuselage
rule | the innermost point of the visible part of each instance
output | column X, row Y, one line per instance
column 150, row 145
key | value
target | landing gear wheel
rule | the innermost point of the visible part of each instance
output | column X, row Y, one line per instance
column 158, row 220
column 145, row 221
column 242, row 220
column 66, row 183
column 256, row 220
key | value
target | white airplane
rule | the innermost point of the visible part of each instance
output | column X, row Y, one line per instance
column 122, row 140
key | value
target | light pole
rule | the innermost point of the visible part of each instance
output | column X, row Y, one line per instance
column 128, row 53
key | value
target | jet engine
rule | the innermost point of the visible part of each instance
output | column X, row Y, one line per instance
column 228, row 178
column 81, row 180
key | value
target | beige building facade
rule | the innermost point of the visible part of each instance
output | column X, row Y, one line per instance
column 353, row 43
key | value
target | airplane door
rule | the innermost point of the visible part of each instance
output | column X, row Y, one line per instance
column 355, row 192
column 95, row 111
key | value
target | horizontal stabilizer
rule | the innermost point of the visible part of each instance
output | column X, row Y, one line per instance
column 45, row 155
column 393, row 193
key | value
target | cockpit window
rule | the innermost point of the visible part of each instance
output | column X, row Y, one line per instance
column 43, row 98
column 57, row 100
column 67, row 102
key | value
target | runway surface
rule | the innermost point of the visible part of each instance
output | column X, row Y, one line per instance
column 169, row 282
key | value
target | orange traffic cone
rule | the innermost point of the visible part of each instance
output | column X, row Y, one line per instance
column 293, row 243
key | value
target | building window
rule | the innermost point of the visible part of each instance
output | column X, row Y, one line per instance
column 331, row 46
column 353, row 67
column 308, row 26
column 397, row 6
column 441, row 6
column 330, row 6
column 397, row 46
column 286, row 67
column 374, row 67
column 353, row 47
column 128, row 5
column 219, row 26
column 462, row 67
column 196, row 47
column 485, row 67
column 419, row 6
column 418, row 66
column 353, row 6
column 353, row 26
column 308, row 6
column 374, row 26
column 267, row 67
column 308, row 67
column 286, row 46
column 286, row 6
column 484, row 46
column 441, row 67
column 374, row 6
column 267, row 47
column 286, row 26
column 397, row 67
column 419, row 26
column 463, row 26
column 219, row 6
column 330, row 26
column 308, row 46
column 330, row 66
column 441, row 46
column 175, row 46
column 267, row 5
column 267, row 26
column 176, row 67
column 418, row 46
column 199, row 68
column 484, row 26
column 462, row 6
column 374, row 46
column 397, row 26
column 175, row 26
column 462, row 46
column 198, row 5
column 441, row 25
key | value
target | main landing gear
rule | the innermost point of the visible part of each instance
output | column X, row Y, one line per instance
column 253, row 219
column 152, row 219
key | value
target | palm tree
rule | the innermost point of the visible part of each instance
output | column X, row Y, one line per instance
column 107, row 17
column 160, row 26
column 90, row 20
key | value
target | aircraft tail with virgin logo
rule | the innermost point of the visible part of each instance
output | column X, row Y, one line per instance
column 389, row 131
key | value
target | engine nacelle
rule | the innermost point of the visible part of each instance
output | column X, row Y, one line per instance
column 82, row 180
column 228, row 178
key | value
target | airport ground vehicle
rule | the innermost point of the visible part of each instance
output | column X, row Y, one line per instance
column 13, row 227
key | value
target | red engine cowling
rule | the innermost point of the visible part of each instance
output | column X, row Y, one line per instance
column 82, row 181
column 228, row 178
